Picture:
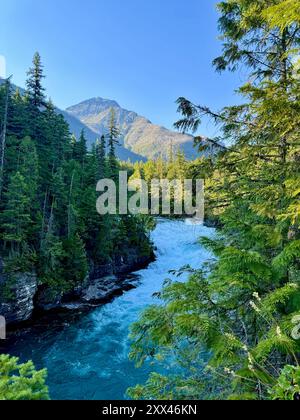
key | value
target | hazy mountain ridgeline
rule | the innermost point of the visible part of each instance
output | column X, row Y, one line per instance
column 140, row 139
column 138, row 134
column 76, row 127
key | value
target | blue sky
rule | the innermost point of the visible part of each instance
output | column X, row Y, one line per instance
column 142, row 53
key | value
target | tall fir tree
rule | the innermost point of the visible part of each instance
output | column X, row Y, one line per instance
column 113, row 141
column 17, row 122
column 3, row 131
column 15, row 218
column 80, row 149
column 35, row 89
column 101, row 158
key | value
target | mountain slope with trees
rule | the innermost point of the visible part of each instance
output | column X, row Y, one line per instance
column 76, row 127
column 137, row 133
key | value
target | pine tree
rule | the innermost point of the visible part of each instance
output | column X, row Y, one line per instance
column 59, row 194
column 101, row 158
column 28, row 166
column 51, row 254
column 80, row 149
column 180, row 165
column 15, row 218
column 35, row 89
column 160, row 168
column 17, row 122
column 74, row 263
column 149, row 169
column 113, row 136
column 3, row 132
column 138, row 171
column 21, row 381
column 56, row 137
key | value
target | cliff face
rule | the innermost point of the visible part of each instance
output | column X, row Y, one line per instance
column 21, row 296
column 18, row 305
column 103, row 283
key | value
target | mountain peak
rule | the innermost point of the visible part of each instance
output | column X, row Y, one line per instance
column 99, row 100
column 92, row 106
column 138, row 134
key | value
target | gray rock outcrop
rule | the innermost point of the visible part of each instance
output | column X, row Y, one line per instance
column 18, row 306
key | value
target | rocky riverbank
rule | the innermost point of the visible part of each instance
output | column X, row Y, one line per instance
column 24, row 298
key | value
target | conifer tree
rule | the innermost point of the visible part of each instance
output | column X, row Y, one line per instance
column 55, row 138
column 17, row 122
column 74, row 263
column 101, row 158
column 149, row 170
column 160, row 168
column 55, row 222
column 35, row 89
column 180, row 165
column 15, row 218
column 80, row 149
column 138, row 171
column 3, row 131
column 28, row 166
column 21, row 381
column 113, row 136
column 240, row 310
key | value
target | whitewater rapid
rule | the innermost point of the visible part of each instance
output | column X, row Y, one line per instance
column 88, row 359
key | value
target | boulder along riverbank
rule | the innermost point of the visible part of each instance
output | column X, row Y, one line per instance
column 27, row 302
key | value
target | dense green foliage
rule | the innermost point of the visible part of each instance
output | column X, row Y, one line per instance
column 21, row 381
column 48, row 214
column 176, row 168
column 288, row 385
column 230, row 327
column 48, row 219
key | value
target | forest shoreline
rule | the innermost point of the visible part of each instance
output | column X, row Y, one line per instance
column 103, row 285
column 97, row 290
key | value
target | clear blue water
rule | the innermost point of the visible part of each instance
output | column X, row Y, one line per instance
column 88, row 359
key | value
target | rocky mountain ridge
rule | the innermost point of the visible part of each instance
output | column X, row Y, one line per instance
column 137, row 133
column 76, row 126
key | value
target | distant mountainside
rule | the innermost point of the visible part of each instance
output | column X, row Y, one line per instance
column 138, row 134
column 76, row 126
column 139, row 140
